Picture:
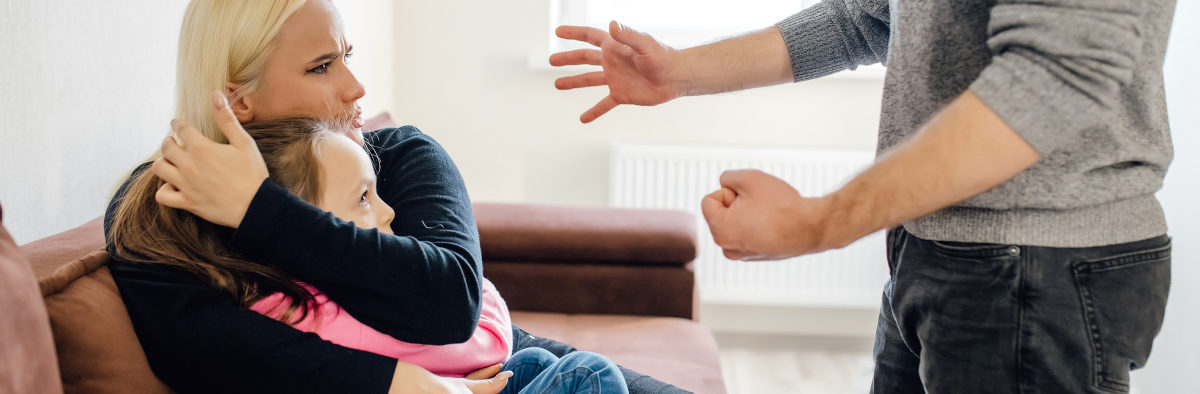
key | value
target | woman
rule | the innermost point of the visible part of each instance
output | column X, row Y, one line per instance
column 287, row 59
column 278, row 59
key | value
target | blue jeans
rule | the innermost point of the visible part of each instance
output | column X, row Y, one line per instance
column 989, row 318
column 537, row 371
column 635, row 382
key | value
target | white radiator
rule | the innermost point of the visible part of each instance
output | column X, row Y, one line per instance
column 677, row 177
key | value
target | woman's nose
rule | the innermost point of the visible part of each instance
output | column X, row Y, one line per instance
column 353, row 90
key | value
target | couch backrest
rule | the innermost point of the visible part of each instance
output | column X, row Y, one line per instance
column 27, row 360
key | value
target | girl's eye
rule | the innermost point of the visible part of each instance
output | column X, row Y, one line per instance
column 362, row 200
column 320, row 69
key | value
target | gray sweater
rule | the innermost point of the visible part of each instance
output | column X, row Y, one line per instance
column 1081, row 82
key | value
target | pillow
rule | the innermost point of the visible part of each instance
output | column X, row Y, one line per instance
column 27, row 361
column 98, row 351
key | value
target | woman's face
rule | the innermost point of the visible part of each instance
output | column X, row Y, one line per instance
column 306, row 74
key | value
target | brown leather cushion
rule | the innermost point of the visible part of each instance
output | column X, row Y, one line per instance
column 98, row 351
column 530, row 232
column 673, row 350
column 27, row 361
column 582, row 288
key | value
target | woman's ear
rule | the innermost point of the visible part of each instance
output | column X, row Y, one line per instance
column 241, row 106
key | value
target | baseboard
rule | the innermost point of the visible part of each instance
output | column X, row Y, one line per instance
column 789, row 320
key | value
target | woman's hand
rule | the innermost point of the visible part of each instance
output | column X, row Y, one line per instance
column 211, row 180
column 410, row 378
column 637, row 68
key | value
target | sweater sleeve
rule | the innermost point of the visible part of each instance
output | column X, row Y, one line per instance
column 422, row 285
column 1058, row 66
column 198, row 341
column 836, row 35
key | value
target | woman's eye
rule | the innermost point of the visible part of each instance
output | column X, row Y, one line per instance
column 362, row 200
column 319, row 69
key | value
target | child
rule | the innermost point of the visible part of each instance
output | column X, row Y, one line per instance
column 330, row 171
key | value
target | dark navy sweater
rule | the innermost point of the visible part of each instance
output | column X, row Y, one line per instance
column 421, row 285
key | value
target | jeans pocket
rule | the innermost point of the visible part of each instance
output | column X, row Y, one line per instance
column 1124, row 298
column 966, row 250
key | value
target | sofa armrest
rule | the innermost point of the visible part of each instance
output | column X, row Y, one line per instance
column 590, row 259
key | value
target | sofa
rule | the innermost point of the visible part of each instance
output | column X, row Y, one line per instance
column 614, row 281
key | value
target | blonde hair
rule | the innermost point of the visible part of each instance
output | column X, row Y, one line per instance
column 224, row 41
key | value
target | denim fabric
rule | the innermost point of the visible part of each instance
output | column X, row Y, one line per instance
column 990, row 318
column 536, row 371
column 636, row 382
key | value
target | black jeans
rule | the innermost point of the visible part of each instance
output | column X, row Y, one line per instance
column 988, row 318
column 637, row 382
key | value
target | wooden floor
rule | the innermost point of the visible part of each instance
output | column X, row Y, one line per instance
column 755, row 364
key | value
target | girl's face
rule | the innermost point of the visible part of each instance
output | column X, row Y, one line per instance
column 306, row 74
column 348, row 185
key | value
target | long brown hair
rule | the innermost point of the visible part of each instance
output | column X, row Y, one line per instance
column 144, row 231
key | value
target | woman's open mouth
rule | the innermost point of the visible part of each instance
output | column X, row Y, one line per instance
column 357, row 122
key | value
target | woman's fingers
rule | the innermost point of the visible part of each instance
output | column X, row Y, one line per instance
column 489, row 386
column 186, row 135
column 171, row 196
column 576, row 57
column 586, row 34
column 228, row 123
column 173, row 151
column 166, row 171
column 484, row 373
column 581, row 81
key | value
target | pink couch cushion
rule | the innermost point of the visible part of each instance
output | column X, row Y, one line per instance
column 674, row 350
column 27, row 361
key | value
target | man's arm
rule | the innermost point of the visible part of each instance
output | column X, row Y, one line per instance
column 831, row 36
column 640, row 70
column 964, row 150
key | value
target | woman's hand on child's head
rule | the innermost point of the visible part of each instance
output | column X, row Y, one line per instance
column 211, row 180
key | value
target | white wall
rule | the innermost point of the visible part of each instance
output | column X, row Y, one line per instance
column 1176, row 357
column 463, row 76
column 88, row 91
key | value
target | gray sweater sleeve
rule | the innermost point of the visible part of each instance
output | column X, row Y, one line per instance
column 1058, row 66
column 836, row 35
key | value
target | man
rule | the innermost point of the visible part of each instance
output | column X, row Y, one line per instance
column 1021, row 143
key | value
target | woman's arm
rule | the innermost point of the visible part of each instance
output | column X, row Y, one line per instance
column 198, row 340
column 422, row 285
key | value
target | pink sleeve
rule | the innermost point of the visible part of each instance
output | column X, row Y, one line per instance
column 491, row 343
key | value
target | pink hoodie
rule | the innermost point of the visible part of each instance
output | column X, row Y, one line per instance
column 490, row 344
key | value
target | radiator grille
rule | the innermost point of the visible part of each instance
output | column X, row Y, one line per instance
column 677, row 177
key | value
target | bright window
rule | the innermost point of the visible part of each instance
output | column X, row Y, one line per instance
column 680, row 23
